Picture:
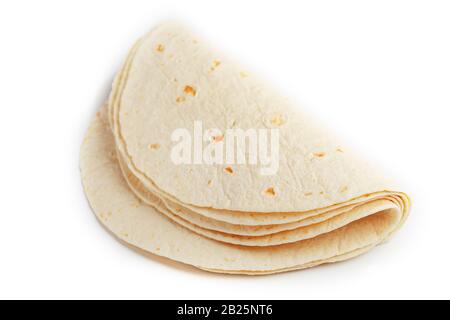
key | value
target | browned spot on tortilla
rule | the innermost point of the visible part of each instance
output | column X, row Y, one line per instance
column 215, row 65
column 190, row 90
column 210, row 183
column 271, row 192
column 160, row 48
column 340, row 150
column 343, row 189
column 277, row 120
column 308, row 194
column 219, row 138
column 154, row 146
column 229, row 170
column 181, row 99
column 319, row 154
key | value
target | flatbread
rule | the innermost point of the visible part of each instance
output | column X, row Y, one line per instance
column 325, row 204
column 144, row 111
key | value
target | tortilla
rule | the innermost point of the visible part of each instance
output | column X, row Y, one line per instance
column 325, row 203
column 145, row 111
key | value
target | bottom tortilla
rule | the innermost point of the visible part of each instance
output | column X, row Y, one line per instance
column 144, row 227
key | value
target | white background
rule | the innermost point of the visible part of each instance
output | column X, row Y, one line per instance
column 377, row 72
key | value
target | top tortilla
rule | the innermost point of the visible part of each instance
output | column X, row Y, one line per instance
column 145, row 111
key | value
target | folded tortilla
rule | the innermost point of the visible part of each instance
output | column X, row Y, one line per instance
column 325, row 204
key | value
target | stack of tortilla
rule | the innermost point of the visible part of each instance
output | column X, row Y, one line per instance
column 324, row 204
